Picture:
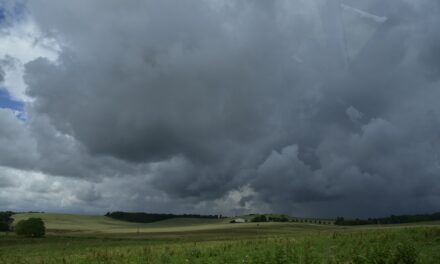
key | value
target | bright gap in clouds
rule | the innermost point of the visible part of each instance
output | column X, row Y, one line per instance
column 20, row 42
column 9, row 103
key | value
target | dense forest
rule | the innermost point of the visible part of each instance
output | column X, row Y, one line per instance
column 393, row 219
column 149, row 218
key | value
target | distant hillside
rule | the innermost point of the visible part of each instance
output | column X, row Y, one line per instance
column 150, row 218
column 393, row 219
column 64, row 223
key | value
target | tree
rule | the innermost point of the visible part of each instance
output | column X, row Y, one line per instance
column 339, row 221
column 32, row 227
column 260, row 218
column 6, row 221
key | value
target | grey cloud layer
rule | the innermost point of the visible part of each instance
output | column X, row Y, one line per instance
column 207, row 98
column 2, row 75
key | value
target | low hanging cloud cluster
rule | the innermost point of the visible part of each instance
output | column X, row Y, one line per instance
column 317, row 107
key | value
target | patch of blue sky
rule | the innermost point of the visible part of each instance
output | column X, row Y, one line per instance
column 7, row 102
column 2, row 15
column 10, row 14
column 19, row 11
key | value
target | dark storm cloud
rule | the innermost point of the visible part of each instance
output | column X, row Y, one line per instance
column 16, row 145
column 178, row 82
column 206, row 98
column 2, row 74
column 60, row 154
column 35, row 145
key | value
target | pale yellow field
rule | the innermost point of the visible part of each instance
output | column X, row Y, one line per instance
column 102, row 224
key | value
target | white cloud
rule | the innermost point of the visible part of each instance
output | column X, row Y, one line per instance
column 20, row 44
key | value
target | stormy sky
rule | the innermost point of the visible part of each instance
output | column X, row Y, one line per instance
column 306, row 107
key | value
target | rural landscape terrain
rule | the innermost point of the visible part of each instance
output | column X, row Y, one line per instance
column 220, row 131
column 101, row 239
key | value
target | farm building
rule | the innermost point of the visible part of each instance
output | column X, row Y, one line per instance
column 238, row 220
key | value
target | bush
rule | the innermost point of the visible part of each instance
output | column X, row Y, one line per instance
column 405, row 253
column 260, row 218
column 379, row 254
column 5, row 221
column 32, row 227
column 282, row 218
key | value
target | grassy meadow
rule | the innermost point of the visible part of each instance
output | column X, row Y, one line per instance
column 98, row 239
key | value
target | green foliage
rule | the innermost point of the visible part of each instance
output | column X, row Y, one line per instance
column 259, row 218
column 6, row 221
column 276, row 243
column 405, row 253
column 379, row 254
column 281, row 218
column 32, row 227
column 399, row 253
column 150, row 218
column 393, row 219
column 270, row 218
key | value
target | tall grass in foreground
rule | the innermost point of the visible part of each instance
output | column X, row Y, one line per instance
column 400, row 246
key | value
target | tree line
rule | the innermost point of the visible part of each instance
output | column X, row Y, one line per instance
column 286, row 218
column 264, row 218
column 393, row 219
column 149, row 217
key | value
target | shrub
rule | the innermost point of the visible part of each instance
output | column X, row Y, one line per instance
column 405, row 253
column 282, row 218
column 379, row 254
column 260, row 218
column 32, row 227
column 5, row 221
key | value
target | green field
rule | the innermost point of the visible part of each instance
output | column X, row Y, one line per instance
column 98, row 239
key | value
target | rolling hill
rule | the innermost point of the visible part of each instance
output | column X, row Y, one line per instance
column 96, row 223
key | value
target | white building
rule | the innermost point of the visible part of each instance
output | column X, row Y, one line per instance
column 238, row 221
